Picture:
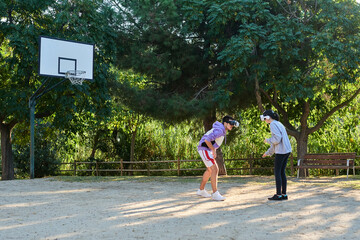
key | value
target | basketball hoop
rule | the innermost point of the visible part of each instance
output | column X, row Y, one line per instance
column 75, row 76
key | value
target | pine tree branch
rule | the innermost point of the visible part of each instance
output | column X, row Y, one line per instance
column 129, row 16
column 44, row 114
column 201, row 90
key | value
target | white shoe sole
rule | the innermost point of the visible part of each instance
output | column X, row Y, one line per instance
column 203, row 196
column 218, row 199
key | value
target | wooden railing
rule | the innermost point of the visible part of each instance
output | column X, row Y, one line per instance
column 123, row 169
column 153, row 166
column 74, row 169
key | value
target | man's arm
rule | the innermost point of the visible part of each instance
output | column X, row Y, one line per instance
column 211, row 147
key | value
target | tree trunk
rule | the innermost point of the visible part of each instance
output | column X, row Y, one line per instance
column 258, row 95
column 209, row 121
column 220, row 162
column 95, row 145
column 302, row 142
column 7, row 160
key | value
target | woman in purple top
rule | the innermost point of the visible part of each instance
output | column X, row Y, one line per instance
column 207, row 150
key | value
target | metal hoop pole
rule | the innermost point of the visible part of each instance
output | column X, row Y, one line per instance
column 32, row 103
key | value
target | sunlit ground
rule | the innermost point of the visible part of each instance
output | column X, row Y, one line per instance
column 167, row 208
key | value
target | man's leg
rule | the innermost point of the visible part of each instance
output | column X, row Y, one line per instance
column 214, row 176
column 209, row 162
column 205, row 178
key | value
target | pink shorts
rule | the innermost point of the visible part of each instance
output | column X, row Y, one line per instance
column 207, row 157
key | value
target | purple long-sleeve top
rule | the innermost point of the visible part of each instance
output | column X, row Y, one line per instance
column 215, row 135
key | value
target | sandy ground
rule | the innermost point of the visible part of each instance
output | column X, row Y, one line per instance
column 52, row 209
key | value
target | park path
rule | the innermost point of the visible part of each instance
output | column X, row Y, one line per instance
column 51, row 209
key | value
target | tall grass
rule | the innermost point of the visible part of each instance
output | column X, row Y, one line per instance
column 157, row 140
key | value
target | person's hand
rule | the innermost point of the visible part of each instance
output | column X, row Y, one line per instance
column 264, row 155
column 213, row 153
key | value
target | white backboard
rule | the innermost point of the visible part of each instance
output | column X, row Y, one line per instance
column 57, row 56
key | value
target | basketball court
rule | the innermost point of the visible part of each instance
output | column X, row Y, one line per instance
column 169, row 209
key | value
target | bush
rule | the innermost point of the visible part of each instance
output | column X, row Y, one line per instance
column 46, row 161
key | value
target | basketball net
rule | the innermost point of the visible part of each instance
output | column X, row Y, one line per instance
column 75, row 76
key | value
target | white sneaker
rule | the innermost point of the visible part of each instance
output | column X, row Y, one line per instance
column 217, row 196
column 203, row 193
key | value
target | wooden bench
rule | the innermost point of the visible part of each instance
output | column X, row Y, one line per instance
column 328, row 161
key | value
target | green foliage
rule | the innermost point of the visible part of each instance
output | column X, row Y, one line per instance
column 303, row 55
column 298, row 53
column 340, row 134
column 67, row 107
column 178, row 61
column 156, row 140
column 21, row 28
column 179, row 57
column 47, row 162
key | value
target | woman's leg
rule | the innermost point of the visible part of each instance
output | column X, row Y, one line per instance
column 277, row 172
column 285, row 158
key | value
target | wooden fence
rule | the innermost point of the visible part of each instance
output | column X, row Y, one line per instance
column 77, row 166
column 148, row 167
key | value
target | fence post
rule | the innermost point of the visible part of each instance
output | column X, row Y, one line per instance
column 121, row 167
column 178, row 166
column 251, row 163
column 74, row 167
column 148, row 166
column 97, row 168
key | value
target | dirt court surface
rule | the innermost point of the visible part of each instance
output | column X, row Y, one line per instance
column 166, row 208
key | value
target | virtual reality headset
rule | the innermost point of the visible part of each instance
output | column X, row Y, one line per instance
column 233, row 123
column 262, row 117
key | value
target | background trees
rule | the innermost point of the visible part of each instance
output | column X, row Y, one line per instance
column 301, row 56
column 171, row 43
column 22, row 24
column 186, row 61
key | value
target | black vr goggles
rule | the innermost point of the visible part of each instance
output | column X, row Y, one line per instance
column 233, row 123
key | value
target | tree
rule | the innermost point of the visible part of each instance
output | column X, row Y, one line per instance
column 129, row 118
column 173, row 45
column 22, row 24
column 302, row 57
column 170, row 43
